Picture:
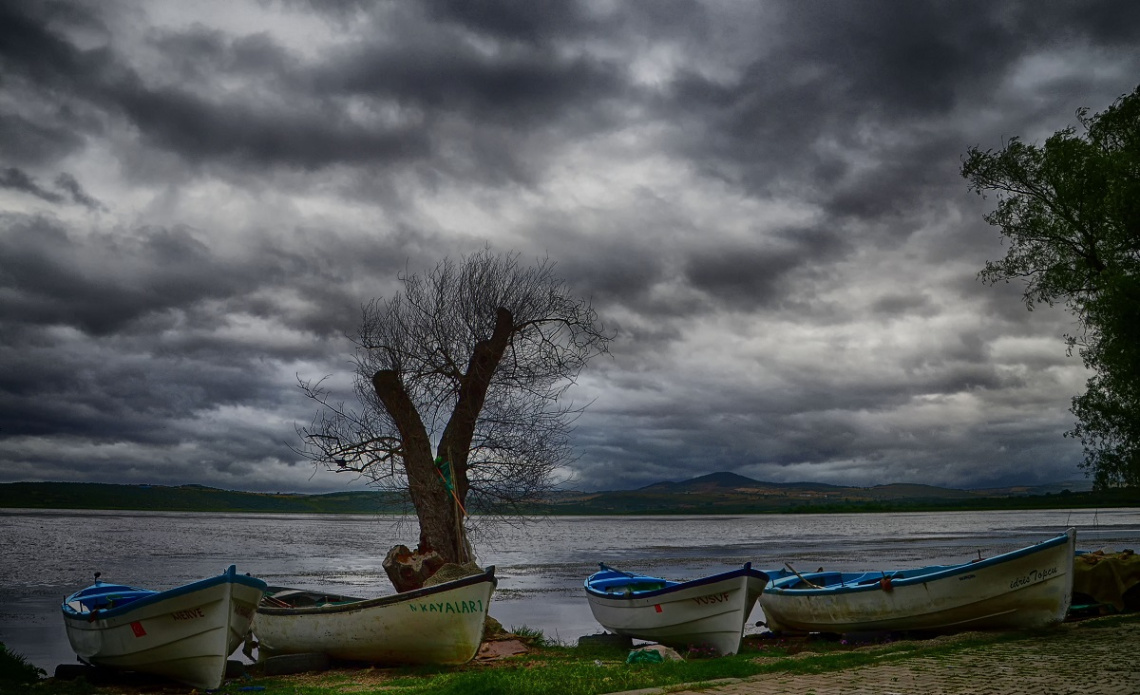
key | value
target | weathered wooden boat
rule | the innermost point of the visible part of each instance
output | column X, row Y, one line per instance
column 185, row 634
column 1025, row 588
column 442, row 624
column 707, row 613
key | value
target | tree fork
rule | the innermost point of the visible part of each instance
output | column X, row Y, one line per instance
column 429, row 495
column 455, row 443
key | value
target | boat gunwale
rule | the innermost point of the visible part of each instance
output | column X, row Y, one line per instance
column 229, row 576
column 745, row 571
column 487, row 575
column 774, row 588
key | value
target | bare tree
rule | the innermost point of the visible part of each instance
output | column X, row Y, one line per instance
column 472, row 359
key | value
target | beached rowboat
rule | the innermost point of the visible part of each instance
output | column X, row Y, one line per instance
column 442, row 624
column 1026, row 588
column 186, row 633
column 705, row 613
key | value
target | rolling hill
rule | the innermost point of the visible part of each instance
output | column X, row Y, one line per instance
column 729, row 493
column 715, row 493
column 184, row 498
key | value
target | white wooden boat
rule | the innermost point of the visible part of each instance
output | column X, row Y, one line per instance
column 705, row 613
column 442, row 624
column 186, row 633
column 1026, row 588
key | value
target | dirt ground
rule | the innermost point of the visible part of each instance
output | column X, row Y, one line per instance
column 1075, row 658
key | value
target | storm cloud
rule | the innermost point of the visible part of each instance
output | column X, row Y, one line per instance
column 761, row 200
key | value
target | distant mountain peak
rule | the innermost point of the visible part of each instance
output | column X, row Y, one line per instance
column 721, row 479
column 725, row 481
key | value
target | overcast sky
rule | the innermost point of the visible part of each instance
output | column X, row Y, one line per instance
column 762, row 200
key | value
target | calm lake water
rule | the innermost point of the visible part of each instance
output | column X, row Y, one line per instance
column 46, row 555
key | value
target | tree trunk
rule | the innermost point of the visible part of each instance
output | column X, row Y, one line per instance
column 441, row 522
column 435, row 509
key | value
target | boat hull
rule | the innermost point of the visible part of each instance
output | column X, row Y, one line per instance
column 1027, row 588
column 437, row 625
column 185, row 634
column 707, row 613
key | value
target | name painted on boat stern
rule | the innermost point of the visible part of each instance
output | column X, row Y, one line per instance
column 1033, row 577
column 190, row 614
column 711, row 599
column 475, row 606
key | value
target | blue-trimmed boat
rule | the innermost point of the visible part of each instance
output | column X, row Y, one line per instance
column 706, row 613
column 1025, row 588
column 185, row 634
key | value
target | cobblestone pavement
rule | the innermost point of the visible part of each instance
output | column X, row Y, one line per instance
column 1072, row 659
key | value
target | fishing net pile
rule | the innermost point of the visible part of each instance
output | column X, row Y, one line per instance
column 1111, row 579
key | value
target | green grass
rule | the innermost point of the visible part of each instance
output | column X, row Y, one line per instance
column 562, row 670
column 533, row 637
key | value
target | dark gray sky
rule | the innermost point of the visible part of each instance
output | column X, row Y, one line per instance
column 762, row 200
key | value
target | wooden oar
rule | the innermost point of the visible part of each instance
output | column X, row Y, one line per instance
column 802, row 579
column 275, row 602
column 604, row 566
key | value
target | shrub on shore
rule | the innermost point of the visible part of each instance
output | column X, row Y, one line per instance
column 15, row 669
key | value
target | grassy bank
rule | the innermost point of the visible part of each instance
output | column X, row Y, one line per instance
column 552, row 669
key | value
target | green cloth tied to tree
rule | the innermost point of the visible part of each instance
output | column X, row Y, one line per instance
column 444, row 468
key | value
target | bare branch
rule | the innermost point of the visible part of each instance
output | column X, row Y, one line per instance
column 484, row 350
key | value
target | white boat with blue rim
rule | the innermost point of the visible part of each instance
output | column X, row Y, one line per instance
column 441, row 624
column 705, row 613
column 186, row 633
column 1026, row 588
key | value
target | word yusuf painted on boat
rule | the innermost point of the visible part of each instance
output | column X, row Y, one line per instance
column 711, row 599
column 475, row 606
column 1033, row 577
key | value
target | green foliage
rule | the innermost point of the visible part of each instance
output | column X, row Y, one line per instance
column 1070, row 212
column 1109, row 412
column 15, row 669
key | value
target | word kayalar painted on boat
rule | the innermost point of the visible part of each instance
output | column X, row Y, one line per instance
column 475, row 606
column 1033, row 577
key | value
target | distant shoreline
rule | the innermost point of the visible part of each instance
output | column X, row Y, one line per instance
column 195, row 498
